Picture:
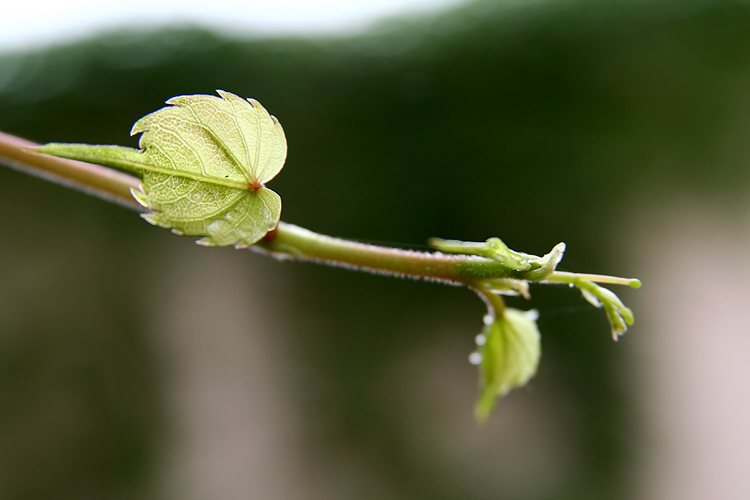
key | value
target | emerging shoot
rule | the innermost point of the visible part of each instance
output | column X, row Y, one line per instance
column 203, row 164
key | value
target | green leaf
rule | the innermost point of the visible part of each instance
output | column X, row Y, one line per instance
column 203, row 164
column 618, row 315
column 508, row 355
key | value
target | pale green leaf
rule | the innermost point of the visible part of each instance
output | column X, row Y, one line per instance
column 203, row 164
column 508, row 354
column 618, row 314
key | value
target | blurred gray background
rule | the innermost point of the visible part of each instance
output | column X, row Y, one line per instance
column 136, row 365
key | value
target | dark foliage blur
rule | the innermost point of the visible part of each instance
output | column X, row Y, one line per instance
column 536, row 123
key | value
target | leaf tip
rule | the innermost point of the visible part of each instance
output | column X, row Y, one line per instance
column 206, row 242
column 139, row 196
column 150, row 218
column 484, row 406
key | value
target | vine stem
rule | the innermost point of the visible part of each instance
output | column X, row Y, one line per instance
column 102, row 182
column 575, row 278
column 288, row 240
column 495, row 303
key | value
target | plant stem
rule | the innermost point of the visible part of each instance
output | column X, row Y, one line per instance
column 495, row 303
column 574, row 278
column 288, row 240
column 96, row 180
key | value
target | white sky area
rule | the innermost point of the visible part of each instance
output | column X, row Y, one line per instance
column 35, row 23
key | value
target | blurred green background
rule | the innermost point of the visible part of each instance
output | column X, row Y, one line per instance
column 135, row 364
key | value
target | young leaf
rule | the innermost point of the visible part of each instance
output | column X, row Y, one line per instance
column 618, row 314
column 523, row 265
column 203, row 164
column 508, row 355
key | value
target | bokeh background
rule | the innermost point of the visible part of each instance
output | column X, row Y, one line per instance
column 137, row 365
